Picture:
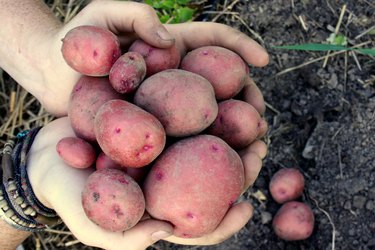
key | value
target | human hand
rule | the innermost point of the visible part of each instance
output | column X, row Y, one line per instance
column 59, row 186
column 130, row 20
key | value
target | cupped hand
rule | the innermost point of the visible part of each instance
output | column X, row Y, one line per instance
column 59, row 187
column 131, row 20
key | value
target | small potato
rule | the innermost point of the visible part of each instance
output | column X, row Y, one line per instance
column 91, row 50
column 113, row 200
column 157, row 59
column 286, row 184
column 183, row 102
column 237, row 123
column 127, row 72
column 87, row 96
column 127, row 134
column 76, row 152
column 294, row 221
column 193, row 184
column 223, row 68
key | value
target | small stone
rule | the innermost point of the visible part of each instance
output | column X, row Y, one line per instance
column 266, row 217
column 359, row 201
column 370, row 205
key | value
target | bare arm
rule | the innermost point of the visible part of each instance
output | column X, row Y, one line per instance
column 10, row 238
column 25, row 30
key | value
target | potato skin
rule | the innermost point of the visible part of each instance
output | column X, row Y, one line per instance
column 183, row 102
column 286, row 184
column 87, row 96
column 91, row 50
column 113, row 200
column 127, row 72
column 157, row 59
column 237, row 123
column 223, row 68
column 294, row 221
column 76, row 152
column 193, row 183
column 127, row 134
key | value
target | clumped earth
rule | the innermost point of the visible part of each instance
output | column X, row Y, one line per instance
column 322, row 121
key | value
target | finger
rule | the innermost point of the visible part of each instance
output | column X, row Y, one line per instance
column 235, row 219
column 252, row 165
column 258, row 147
column 126, row 17
column 219, row 35
column 252, row 95
column 143, row 235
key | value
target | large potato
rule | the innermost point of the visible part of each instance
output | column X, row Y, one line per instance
column 87, row 96
column 91, row 50
column 193, row 183
column 184, row 102
column 223, row 68
column 127, row 134
column 113, row 200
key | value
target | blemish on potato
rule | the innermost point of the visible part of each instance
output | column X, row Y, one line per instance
column 190, row 215
column 205, row 52
column 117, row 210
column 159, row 175
column 147, row 147
column 95, row 54
column 78, row 87
column 117, row 130
column 215, row 147
column 186, row 235
column 96, row 196
column 147, row 136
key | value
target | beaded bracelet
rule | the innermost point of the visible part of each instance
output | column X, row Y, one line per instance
column 19, row 206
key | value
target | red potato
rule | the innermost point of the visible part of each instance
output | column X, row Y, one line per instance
column 237, row 123
column 76, row 152
column 138, row 174
column 113, row 200
column 183, row 102
column 223, row 68
column 127, row 134
column 157, row 59
column 286, row 184
column 193, row 184
column 294, row 221
column 87, row 96
column 127, row 72
column 91, row 50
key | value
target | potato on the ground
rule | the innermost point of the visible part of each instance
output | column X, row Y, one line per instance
column 157, row 59
column 127, row 72
column 91, row 50
column 87, row 96
column 127, row 134
column 223, row 68
column 237, row 123
column 193, row 184
column 113, row 200
column 286, row 184
column 294, row 221
column 76, row 152
column 184, row 102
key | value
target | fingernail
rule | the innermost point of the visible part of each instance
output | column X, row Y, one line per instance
column 160, row 235
column 164, row 35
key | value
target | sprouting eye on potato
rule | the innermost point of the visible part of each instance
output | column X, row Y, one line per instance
column 175, row 125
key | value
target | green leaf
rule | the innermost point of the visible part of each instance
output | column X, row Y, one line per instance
column 324, row 47
column 149, row 2
column 164, row 18
column 185, row 14
column 183, row 2
column 168, row 4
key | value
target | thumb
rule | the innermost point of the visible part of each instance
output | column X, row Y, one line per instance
column 146, row 233
column 125, row 17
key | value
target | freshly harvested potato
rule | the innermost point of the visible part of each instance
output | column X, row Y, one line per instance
column 87, row 96
column 91, row 50
column 76, row 152
column 223, row 68
column 237, row 123
column 294, row 221
column 183, row 102
column 127, row 72
column 193, row 184
column 127, row 134
column 286, row 184
column 157, row 59
column 113, row 200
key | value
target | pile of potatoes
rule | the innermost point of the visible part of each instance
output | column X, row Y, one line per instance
column 160, row 130
column 294, row 220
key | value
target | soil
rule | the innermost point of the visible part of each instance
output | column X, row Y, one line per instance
column 322, row 121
